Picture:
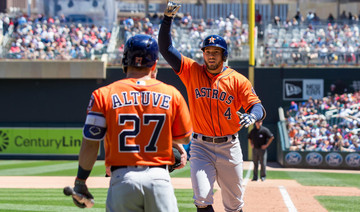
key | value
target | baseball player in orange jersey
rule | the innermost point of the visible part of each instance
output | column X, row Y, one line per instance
column 216, row 93
column 140, row 118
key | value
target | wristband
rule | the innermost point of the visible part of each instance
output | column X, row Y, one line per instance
column 82, row 173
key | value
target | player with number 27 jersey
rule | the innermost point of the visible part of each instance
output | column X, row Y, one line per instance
column 130, row 110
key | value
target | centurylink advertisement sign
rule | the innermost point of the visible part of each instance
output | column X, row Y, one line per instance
column 40, row 141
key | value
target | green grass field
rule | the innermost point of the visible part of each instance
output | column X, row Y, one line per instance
column 54, row 200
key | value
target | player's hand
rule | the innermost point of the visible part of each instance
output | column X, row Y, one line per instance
column 183, row 160
column 171, row 9
column 246, row 119
column 263, row 147
column 81, row 188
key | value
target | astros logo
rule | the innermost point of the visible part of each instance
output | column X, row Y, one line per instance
column 212, row 40
column 4, row 140
column 138, row 61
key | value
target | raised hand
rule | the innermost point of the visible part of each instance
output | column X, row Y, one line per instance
column 171, row 9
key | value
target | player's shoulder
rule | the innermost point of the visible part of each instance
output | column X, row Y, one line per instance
column 187, row 61
column 235, row 74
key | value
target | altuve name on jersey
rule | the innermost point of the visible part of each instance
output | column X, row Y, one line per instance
column 134, row 98
column 214, row 93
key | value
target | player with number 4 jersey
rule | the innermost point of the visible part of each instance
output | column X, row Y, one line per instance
column 216, row 93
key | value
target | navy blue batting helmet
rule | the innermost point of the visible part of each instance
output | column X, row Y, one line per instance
column 218, row 41
column 140, row 51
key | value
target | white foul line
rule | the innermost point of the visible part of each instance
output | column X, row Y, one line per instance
column 289, row 204
column 247, row 176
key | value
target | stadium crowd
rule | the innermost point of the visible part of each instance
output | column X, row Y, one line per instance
column 311, row 40
column 299, row 40
column 328, row 124
column 53, row 38
column 188, row 33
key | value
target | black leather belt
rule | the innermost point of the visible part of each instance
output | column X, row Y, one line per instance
column 214, row 139
column 113, row 168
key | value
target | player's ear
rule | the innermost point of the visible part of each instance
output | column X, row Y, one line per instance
column 154, row 71
column 154, row 66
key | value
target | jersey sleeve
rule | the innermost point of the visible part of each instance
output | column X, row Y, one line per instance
column 269, row 133
column 247, row 94
column 188, row 66
column 182, row 126
column 95, row 123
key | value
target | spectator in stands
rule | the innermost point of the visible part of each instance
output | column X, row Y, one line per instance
column 323, row 53
column 231, row 16
column 350, row 17
column 331, row 18
column 277, row 21
column 350, row 56
column 129, row 22
column 309, row 16
column 332, row 55
column 293, row 109
column 343, row 16
column 258, row 18
column 210, row 22
column 299, row 18
column 15, row 50
column 221, row 23
column 228, row 24
column 295, row 54
column 186, row 20
column 6, row 24
column 315, row 19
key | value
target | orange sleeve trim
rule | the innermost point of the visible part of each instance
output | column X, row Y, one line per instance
column 183, row 135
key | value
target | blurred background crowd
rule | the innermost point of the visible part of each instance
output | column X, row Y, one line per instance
column 300, row 39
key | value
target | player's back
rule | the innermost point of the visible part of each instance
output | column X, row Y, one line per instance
column 140, row 118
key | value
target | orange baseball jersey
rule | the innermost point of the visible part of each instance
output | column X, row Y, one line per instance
column 140, row 118
column 214, row 99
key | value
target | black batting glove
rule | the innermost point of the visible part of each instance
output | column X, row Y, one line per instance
column 81, row 188
column 246, row 119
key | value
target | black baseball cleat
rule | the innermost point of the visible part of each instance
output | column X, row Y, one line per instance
column 254, row 179
column 263, row 179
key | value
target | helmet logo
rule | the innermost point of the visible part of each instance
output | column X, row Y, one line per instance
column 138, row 61
column 212, row 40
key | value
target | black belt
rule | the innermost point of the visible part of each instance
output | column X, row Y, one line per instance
column 213, row 139
column 113, row 168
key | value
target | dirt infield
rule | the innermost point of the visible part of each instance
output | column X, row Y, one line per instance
column 259, row 196
column 266, row 196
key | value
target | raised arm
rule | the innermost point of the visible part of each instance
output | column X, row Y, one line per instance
column 168, row 51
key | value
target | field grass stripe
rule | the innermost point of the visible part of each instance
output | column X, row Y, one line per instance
column 287, row 200
column 29, row 207
column 42, row 169
column 13, row 162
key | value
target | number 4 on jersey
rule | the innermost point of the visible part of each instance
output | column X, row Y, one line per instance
column 228, row 113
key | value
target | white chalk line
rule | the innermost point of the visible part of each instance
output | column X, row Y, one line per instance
column 287, row 200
